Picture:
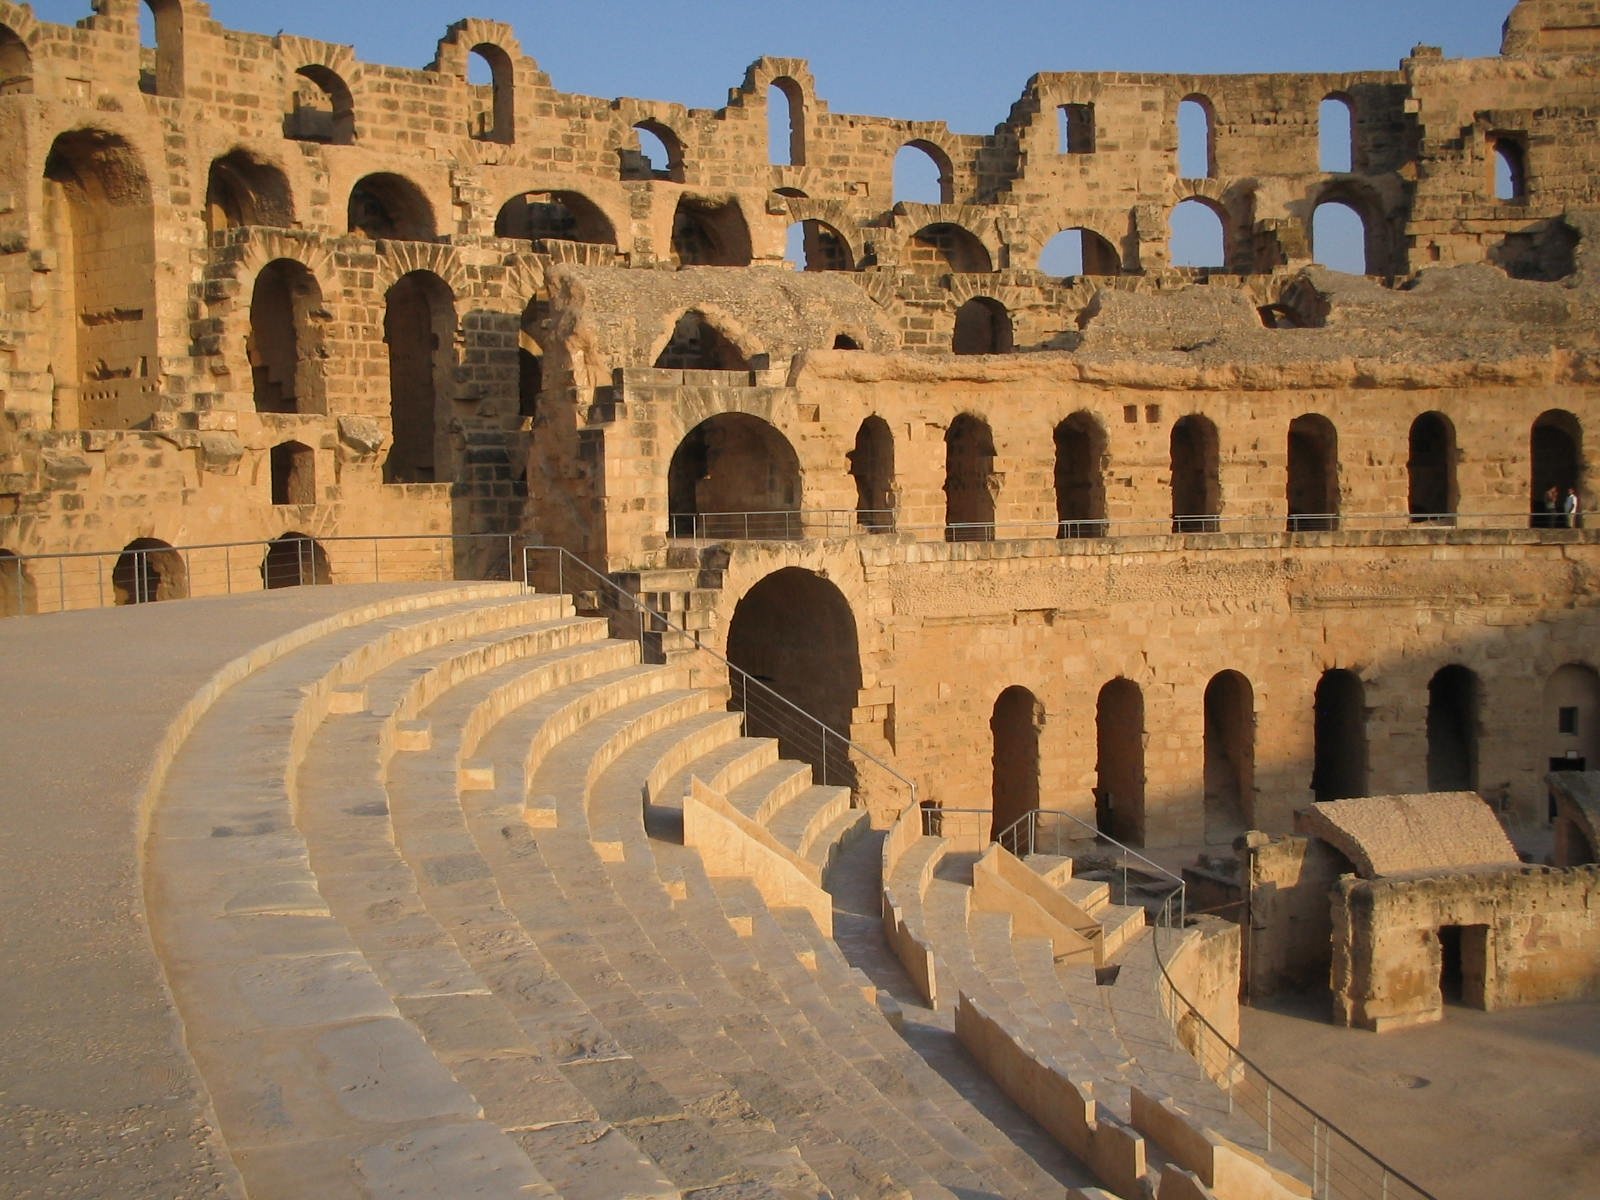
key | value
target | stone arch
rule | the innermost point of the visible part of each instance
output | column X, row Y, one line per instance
column 734, row 475
column 1080, row 480
column 1200, row 233
column 1336, row 134
column 18, row 595
column 321, row 108
column 165, row 76
column 284, row 346
column 1079, row 250
column 970, row 482
column 16, row 63
column 1454, row 717
column 789, row 149
column 1119, row 761
column 710, row 233
column 872, row 468
column 1359, row 197
column 244, row 189
column 1230, row 756
column 386, row 205
column 1432, row 494
column 823, row 247
column 1014, row 728
column 1312, row 482
column 419, row 324
column 98, row 211
column 1570, row 719
column 294, row 560
column 940, row 159
column 697, row 343
column 293, row 467
column 637, row 161
column 983, row 326
column 148, row 569
column 794, row 631
column 1197, row 137
column 1508, row 168
column 492, row 112
column 1196, row 475
column 1555, row 459
column 555, row 216
column 1339, row 758
column 946, row 246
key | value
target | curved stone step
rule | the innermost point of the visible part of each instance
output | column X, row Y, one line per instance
column 761, row 795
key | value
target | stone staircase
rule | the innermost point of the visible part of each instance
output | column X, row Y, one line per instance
column 418, row 887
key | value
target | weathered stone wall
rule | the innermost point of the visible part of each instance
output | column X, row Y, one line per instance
column 1290, row 922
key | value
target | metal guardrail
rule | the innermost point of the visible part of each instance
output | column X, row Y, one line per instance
column 835, row 759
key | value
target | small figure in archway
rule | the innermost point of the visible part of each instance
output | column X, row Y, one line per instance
column 1547, row 515
column 1569, row 509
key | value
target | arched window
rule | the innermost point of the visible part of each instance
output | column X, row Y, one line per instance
column 734, row 476
column 554, row 217
column 656, row 154
column 148, row 569
column 243, row 190
column 1556, row 461
column 1230, row 752
column 1014, row 729
column 922, row 174
column 786, row 123
column 161, row 47
column 1196, row 477
column 1197, row 157
column 1510, row 165
column 419, row 323
column 321, row 108
column 1313, row 478
column 295, row 560
column 708, row 233
column 872, row 467
column 1199, row 238
column 947, row 247
column 1339, row 238
column 969, row 481
column 1453, row 716
column 491, row 84
column 1336, row 135
column 698, row 345
column 285, row 343
column 390, row 206
column 294, row 473
column 983, row 326
column 16, row 64
column 1074, row 252
column 1119, row 762
column 1080, row 443
column 1339, row 769
column 1431, row 470
column 1075, row 129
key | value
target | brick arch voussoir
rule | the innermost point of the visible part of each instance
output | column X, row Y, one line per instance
column 21, row 22
column 295, row 52
column 402, row 258
column 725, row 323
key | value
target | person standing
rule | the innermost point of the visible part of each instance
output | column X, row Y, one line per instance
column 1569, row 509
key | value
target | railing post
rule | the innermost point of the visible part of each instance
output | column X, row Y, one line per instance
column 377, row 571
column 1269, row 1118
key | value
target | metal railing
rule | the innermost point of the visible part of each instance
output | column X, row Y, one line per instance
column 834, row 758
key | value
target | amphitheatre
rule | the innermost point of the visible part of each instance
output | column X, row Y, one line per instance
column 580, row 647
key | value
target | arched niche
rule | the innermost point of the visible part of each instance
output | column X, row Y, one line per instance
column 970, row 483
column 1454, row 716
column 241, row 189
column 1569, row 720
column 285, row 342
column 1014, row 728
column 1080, row 486
column 734, row 476
column 1312, row 486
column 710, row 233
column 16, row 64
column 419, row 324
column 1555, row 456
column 815, row 245
column 491, row 89
column 922, row 174
column 1078, row 251
column 385, row 205
column 1432, row 494
column 1339, row 759
column 556, row 216
column 1197, row 138
column 161, row 31
column 657, row 153
column 786, row 123
column 1336, row 127
column 872, row 468
column 1230, row 757
column 295, row 560
column 147, row 570
column 983, row 326
column 1119, row 762
column 294, row 473
column 1196, row 476
column 947, row 247
column 1198, row 234
column 321, row 108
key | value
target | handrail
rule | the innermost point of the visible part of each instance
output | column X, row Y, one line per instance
column 1022, row 838
column 787, row 721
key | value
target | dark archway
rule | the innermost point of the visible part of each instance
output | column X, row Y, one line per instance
column 419, row 323
column 1431, row 470
column 970, row 483
column 947, row 247
column 1080, row 477
column 1339, row 769
column 1454, row 705
column 1230, row 756
column 1119, row 762
column 709, row 233
column 1196, row 479
column 390, row 206
column 295, row 560
column 554, row 217
column 698, row 345
column 794, row 632
column 983, row 326
column 294, row 473
column 872, row 467
column 243, row 190
column 16, row 66
column 285, row 342
column 734, row 476
column 1556, row 457
column 1313, row 484
column 148, row 569
column 1014, row 766
column 321, row 109
column 17, row 593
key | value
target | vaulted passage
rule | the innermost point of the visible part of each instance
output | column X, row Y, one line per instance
column 1080, row 477
column 1230, row 751
column 148, row 569
column 419, row 324
column 320, row 108
column 1313, row 484
column 294, row 473
column 1119, row 762
column 1014, row 731
column 1556, row 454
column 708, row 234
column 1339, row 769
column 983, row 326
column 1453, row 714
column 285, row 343
column 243, row 190
column 969, row 481
column 554, row 217
column 734, row 476
column 698, row 345
column 947, row 247
column 872, row 467
column 794, row 632
column 1196, row 482
column 390, row 206
column 1431, row 470
column 295, row 560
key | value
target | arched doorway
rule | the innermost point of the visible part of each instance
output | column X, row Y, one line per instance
column 243, row 190
column 285, row 342
column 872, row 467
column 698, row 345
column 1198, row 235
column 1571, row 719
column 294, row 473
column 1453, row 716
column 734, row 476
column 1556, row 457
column 321, row 109
column 295, row 560
column 983, row 326
column 491, row 93
column 1313, row 483
column 794, row 632
column 1230, row 752
column 390, row 206
column 148, row 569
column 708, row 233
column 1339, row 768
column 945, row 247
column 16, row 64
column 1196, row 481
column 1080, row 477
column 1014, row 776
column 969, row 481
column 554, row 217
column 1431, row 470
column 1119, row 761
column 419, row 324
column 922, row 174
